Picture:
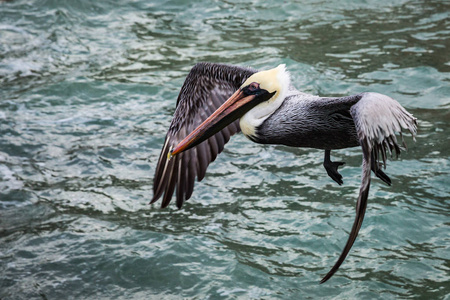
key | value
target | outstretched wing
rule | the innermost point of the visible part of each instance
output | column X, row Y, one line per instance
column 377, row 118
column 205, row 89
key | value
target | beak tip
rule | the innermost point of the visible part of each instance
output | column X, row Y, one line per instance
column 170, row 153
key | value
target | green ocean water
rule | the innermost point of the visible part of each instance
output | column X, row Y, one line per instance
column 87, row 92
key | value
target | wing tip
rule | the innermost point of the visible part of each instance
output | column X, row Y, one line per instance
column 153, row 200
column 326, row 277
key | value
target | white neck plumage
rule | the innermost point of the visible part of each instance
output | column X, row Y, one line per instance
column 275, row 80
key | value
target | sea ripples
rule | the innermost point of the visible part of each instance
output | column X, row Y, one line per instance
column 88, row 91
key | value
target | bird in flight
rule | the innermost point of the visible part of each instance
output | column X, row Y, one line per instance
column 217, row 100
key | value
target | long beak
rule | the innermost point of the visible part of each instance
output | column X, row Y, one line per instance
column 235, row 107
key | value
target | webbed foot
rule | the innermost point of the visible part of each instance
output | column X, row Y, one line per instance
column 332, row 170
column 332, row 167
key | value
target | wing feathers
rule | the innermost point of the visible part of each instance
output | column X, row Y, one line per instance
column 160, row 180
column 172, row 175
column 377, row 118
column 203, row 158
column 361, row 205
column 206, row 87
column 181, row 179
column 191, row 173
column 213, row 146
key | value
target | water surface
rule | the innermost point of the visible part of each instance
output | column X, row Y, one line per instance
column 87, row 94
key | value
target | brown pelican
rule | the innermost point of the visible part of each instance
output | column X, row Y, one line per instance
column 216, row 101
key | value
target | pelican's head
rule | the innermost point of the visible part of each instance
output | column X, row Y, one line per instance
column 273, row 81
column 258, row 97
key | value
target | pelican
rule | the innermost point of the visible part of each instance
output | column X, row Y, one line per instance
column 217, row 100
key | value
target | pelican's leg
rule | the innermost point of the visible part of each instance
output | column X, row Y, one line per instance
column 376, row 169
column 332, row 167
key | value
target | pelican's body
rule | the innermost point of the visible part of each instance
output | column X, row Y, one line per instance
column 216, row 101
column 311, row 122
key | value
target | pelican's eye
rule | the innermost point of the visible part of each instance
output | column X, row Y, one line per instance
column 253, row 87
